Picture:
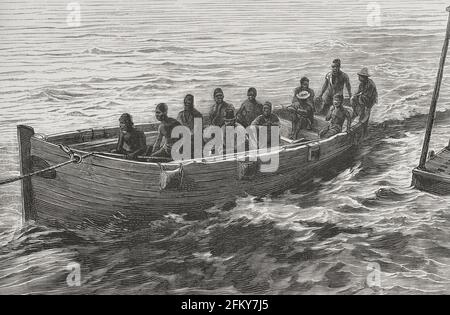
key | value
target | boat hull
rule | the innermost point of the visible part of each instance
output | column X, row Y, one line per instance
column 431, row 183
column 435, row 177
column 102, row 188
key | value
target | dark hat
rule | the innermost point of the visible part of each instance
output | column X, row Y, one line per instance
column 268, row 104
column 229, row 114
column 339, row 97
column 162, row 107
column 253, row 91
column 218, row 91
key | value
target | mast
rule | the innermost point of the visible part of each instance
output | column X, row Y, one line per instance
column 437, row 88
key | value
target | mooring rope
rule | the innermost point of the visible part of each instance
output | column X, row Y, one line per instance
column 73, row 159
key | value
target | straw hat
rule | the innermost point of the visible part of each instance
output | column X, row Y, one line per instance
column 364, row 72
column 304, row 95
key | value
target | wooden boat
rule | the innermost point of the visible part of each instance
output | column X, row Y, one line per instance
column 103, row 187
column 433, row 173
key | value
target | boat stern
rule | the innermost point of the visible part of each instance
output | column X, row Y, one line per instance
column 24, row 135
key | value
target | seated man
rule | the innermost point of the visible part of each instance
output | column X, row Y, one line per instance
column 187, row 116
column 217, row 114
column 304, row 86
column 302, row 115
column 250, row 109
column 232, row 126
column 164, row 133
column 337, row 116
column 132, row 142
column 267, row 119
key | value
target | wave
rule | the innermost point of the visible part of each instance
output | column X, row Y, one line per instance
column 76, row 114
column 96, row 107
column 102, row 80
column 54, row 94
column 148, row 50
column 332, row 43
column 87, row 35
column 98, row 51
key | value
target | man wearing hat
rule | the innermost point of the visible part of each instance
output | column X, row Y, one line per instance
column 304, row 86
column 218, row 110
column 250, row 109
column 366, row 97
column 232, row 129
column 335, row 81
column 302, row 115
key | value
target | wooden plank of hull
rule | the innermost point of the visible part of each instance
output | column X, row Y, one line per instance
column 103, row 186
column 438, row 184
column 436, row 176
column 99, row 179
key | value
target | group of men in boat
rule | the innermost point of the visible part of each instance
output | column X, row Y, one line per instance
column 329, row 103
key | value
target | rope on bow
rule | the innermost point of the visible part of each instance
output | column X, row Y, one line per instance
column 74, row 158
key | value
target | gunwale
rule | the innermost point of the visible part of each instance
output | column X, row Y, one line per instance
column 50, row 140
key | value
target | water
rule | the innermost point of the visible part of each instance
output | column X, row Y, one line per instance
column 129, row 55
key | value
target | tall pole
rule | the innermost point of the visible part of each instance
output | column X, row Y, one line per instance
column 437, row 88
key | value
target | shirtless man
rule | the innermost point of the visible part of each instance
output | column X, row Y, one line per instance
column 132, row 142
column 334, row 84
column 337, row 116
column 164, row 133
column 250, row 109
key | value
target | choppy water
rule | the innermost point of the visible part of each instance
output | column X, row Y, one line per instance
column 130, row 55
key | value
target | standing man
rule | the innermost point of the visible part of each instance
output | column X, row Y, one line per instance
column 219, row 109
column 304, row 87
column 333, row 85
column 336, row 117
column 366, row 97
column 164, row 133
column 250, row 109
column 187, row 116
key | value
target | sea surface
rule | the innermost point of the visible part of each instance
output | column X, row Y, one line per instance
column 359, row 229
